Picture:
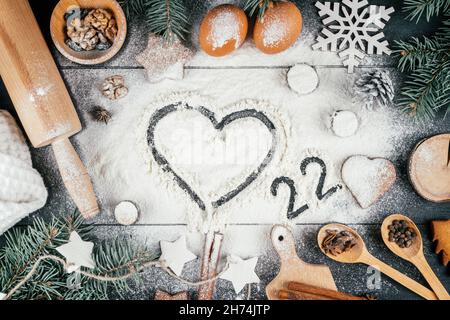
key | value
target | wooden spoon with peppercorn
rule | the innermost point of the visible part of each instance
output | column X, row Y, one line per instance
column 403, row 238
column 353, row 250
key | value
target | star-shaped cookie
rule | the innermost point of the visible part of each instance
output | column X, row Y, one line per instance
column 175, row 254
column 162, row 295
column 78, row 253
column 163, row 60
column 241, row 272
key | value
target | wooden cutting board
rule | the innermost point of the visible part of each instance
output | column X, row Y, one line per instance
column 429, row 168
column 294, row 269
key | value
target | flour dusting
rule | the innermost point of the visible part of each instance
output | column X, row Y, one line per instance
column 225, row 27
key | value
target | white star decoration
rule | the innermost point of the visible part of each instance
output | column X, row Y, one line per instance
column 240, row 272
column 78, row 253
column 175, row 254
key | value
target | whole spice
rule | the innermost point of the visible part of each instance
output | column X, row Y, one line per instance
column 401, row 233
column 100, row 114
column 114, row 87
column 337, row 242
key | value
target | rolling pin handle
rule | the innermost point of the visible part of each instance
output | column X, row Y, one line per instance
column 75, row 178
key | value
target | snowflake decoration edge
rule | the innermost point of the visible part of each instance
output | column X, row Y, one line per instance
column 363, row 23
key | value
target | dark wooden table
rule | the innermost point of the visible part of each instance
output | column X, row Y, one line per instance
column 349, row 278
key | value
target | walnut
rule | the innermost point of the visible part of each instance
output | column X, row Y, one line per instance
column 111, row 30
column 99, row 19
column 96, row 29
column 114, row 87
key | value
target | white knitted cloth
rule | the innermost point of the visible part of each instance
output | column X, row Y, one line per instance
column 22, row 190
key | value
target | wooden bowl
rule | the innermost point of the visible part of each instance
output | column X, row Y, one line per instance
column 59, row 36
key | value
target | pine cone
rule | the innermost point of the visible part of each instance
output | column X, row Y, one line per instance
column 376, row 87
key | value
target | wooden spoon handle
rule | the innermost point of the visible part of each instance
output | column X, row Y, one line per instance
column 428, row 273
column 399, row 277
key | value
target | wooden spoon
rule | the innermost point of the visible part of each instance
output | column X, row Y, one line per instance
column 359, row 254
column 414, row 254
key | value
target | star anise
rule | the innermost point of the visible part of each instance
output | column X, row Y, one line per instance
column 100, row 114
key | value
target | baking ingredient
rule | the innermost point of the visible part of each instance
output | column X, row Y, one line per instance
column 100, row 114
column 279, row 28
column 441, row 234
column 223, row 30
column 89, row 29
column 211, row 259
column 337, row 242
column 353, row 29
column 162, row 295
column 126, row 213
column 401, row 233
column 429, row 168
column 175, row 254
column 377, row 89
column 78, row 253
column 302, row 78
column 241, row 272
column 302, row 291
column 368, row 178
column 114, row 87
column 22, row 188
column 344, row 123
column 164, row 60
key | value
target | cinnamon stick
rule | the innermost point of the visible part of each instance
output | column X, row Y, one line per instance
column 321, row 292
column 211, row 258
column 296, row 295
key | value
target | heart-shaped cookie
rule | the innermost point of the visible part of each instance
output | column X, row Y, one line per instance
column 368, row 178
column 162, row 157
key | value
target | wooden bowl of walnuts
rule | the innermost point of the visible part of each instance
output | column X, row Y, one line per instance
column 88, row 31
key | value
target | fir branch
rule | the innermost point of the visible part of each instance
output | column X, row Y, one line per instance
column 415, row 53
column 429, row 8
column 167, row 18
column 133, row 7
column 257, row 6
column 25, row 249
column 427, row 90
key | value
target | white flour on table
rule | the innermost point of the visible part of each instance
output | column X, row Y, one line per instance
column 122, row 168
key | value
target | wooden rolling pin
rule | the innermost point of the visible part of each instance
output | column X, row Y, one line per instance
column 41, row 98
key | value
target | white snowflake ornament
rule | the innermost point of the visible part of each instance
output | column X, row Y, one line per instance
column 2, row 295
column 353, row 28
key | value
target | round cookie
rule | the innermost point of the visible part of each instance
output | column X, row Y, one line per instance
column 126, row 213
column 344, row 123
column 302, row 78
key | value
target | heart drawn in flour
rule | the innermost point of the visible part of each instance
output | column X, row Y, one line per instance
column 169, row 155
column 368, row 178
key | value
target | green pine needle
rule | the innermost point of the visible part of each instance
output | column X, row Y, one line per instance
column 24, row 246
column 429, row 8
column 257, row 6
column 416, row 53
column 133, row 7
column 426, row 90
column 167, row 18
